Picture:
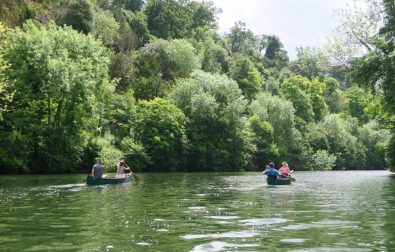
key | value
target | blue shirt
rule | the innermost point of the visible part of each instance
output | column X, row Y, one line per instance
column 271, row 172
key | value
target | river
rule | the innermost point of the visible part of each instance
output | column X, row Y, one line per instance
column 321, row 211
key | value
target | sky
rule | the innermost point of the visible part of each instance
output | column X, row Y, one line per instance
column 295, row 22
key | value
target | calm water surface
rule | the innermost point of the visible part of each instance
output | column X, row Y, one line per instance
column 321, row 211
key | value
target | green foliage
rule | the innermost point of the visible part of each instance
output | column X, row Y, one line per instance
column 390, row 153
column 291, row 89
column 161, row 62
column 374, row 139
column 104, row 27
column 311, row 63
column 214, row 105
column 134, row 31
column 247, row 76
column 160, row 127
column 135, row 154
column 77, row 14
column 279, row 113
column 59, row 110
column 334, row 97
column 357, row 103
column 321, row 160
column 109, row 154
column 241, row 40
column 172, row 19
column 59, row 78
column 343, row 141
column 131, row 5
column 263, row 139
column 214, row 57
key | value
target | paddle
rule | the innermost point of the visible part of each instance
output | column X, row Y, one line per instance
column 135, row 177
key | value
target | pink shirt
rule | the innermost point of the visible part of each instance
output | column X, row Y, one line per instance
column 284, row 170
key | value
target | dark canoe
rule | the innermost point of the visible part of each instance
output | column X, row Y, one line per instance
column 106, row 181
column 278, row 181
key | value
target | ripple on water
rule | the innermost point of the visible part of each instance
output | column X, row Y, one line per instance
column 263, row 221
column 224, row 217
column 232, row 234
column 220, row 246
column 293, row 240
column 323, row 224
column 329, row 249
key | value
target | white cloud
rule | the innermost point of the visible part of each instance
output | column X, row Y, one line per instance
column 296, row 22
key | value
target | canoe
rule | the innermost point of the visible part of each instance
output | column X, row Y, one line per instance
column 278, row 181
column 106, row 181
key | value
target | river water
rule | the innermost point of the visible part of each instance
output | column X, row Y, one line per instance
column 321, row 211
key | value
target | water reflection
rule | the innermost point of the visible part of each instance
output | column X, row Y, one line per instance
column 322, row 211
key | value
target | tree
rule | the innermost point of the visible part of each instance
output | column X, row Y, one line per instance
column 277, row 112
column 160, row 127
column 263, row 138
column 172, row 19
column 59, row 78
column 131, row 5
column 77, row 14
column 247, row 76
column 214, row 106
column 333, row 96
column 292, row 90
column 159, row 63
column 104, row 27
column 310, row 62
column 241, row 40
column 357, row 102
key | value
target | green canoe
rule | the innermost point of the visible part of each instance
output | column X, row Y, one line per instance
column 278, row 181
column 106, row 181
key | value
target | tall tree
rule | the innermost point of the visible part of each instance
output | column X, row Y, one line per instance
column 59, row 78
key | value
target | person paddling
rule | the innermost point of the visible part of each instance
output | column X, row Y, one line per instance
column 271, row 171
column 98, row 170
column 284, row 170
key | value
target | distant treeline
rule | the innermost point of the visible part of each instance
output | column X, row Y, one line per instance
column 153, row 82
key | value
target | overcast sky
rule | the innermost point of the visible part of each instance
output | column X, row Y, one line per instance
column 296, row 22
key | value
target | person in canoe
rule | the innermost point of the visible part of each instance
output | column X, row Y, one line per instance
column 122, row 170
column 98, row 170
column 284, row 170
column 271, row 171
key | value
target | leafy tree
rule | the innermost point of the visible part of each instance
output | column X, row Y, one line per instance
column 59, row 80
column 160, row 127
column 376, row 68
column 159, row 63
column 310, row 62
column 135, row 154
column 375, row 140
column 316, row 91
column 343, row 141
column 247, row 76
column 214, row 106
column 214, row 56
column 333, row 96
column 241, row 40
column 263, row 138
column 321, row 160
column 292, row 90
column 358, row 100
column 277, row 112
column 131, row 5
column 134, row 30
column 172, row 19
column 104, row 27
column 77, row 14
